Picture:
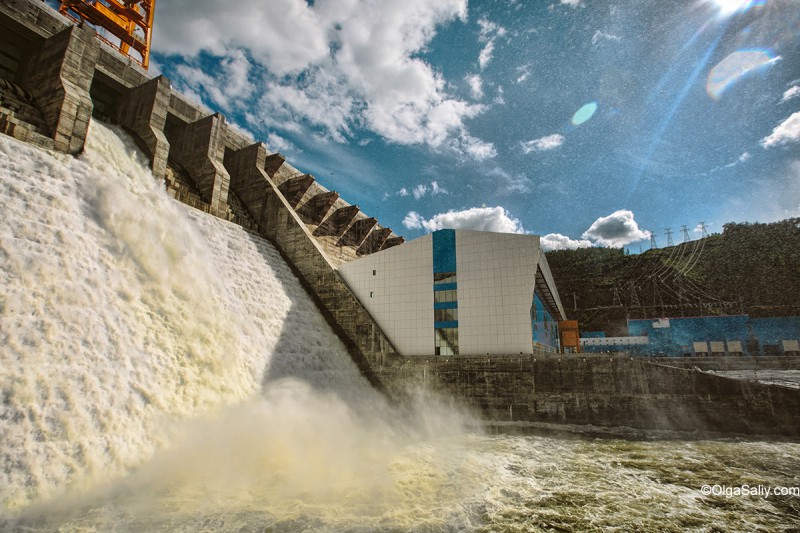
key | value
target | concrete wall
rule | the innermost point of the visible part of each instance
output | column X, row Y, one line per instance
column 605, row 391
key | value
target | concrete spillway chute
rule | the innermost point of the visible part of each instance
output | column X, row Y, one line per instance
column 129, row 21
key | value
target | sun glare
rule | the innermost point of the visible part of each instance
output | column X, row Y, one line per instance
column 729, row 7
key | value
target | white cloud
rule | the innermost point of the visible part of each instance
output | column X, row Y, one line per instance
column 544, row 143
column 600, row 35
column 230, row 86
column 495, row 219
column 322, row 99
column 698, row 229
column 523, row 71
column 556, row 241
column 475, row 85
column 499, row 98
column 419, row 191
column 741, row 159
column 437, row 189
column 476, row 148
column 792, row 92
column 787, row 131
column 279, row 144
column 336, row 64
column 507, row 183
column 615, row 230
column 413, row 221
column 283, row 35
column 489, row 33
column 486, row 54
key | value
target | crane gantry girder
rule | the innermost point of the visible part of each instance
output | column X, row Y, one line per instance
column 130, row 21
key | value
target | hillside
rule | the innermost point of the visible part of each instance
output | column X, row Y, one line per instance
column 748, row 268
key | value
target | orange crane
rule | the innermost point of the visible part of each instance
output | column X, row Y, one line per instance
column 130, row 21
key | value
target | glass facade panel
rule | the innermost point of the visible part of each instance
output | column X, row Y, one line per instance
column 446, row 341
column 445, row 296
column 445, row 315
column 543, row 326
column 444, row 277
column 445, row 293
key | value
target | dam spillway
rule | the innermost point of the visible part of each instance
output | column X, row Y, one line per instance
column 123, row 310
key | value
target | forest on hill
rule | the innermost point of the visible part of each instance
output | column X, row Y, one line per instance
column 751, row 268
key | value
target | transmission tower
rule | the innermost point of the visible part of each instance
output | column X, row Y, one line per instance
column 653, row 245
column 703, row 232
column 685, row 230
column 634, row 297
column 668, row 233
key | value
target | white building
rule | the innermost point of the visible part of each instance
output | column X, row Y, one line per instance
column 460, row 292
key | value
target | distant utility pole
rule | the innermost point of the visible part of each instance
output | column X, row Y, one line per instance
column 703, row 232
column 685, row 230
column 653, row 245
column 668, row 232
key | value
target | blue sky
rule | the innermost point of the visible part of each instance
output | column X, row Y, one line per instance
column 466, row 114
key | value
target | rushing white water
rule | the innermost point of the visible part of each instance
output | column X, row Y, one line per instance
column 162, row 370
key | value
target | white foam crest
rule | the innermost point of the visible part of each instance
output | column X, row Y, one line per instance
column 122, row 312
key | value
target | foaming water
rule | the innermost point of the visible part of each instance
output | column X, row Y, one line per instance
column 163, row 370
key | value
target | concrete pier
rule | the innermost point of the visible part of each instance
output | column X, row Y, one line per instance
column 143, row 112
column 58, row 75
column 199, row 148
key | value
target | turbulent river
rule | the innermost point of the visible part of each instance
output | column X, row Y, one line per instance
column 163, row 370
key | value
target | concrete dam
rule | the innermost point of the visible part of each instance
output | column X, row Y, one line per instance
column 56, row 77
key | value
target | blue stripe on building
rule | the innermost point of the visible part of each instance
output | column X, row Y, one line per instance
column 445, row 305
column 448, row 324
column 446, row 287
column 444, row 251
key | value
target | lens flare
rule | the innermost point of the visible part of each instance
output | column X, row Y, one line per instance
column 584, row 113
column 729, row 7
column 734, row 67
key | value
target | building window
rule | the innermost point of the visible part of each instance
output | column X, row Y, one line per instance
column 445, row 315
column 445, row 296
column 445, row 293
column 441, row 278
column 374, row 272
column 446, row 341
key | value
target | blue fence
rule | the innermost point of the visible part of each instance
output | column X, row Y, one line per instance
column 738, row 334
